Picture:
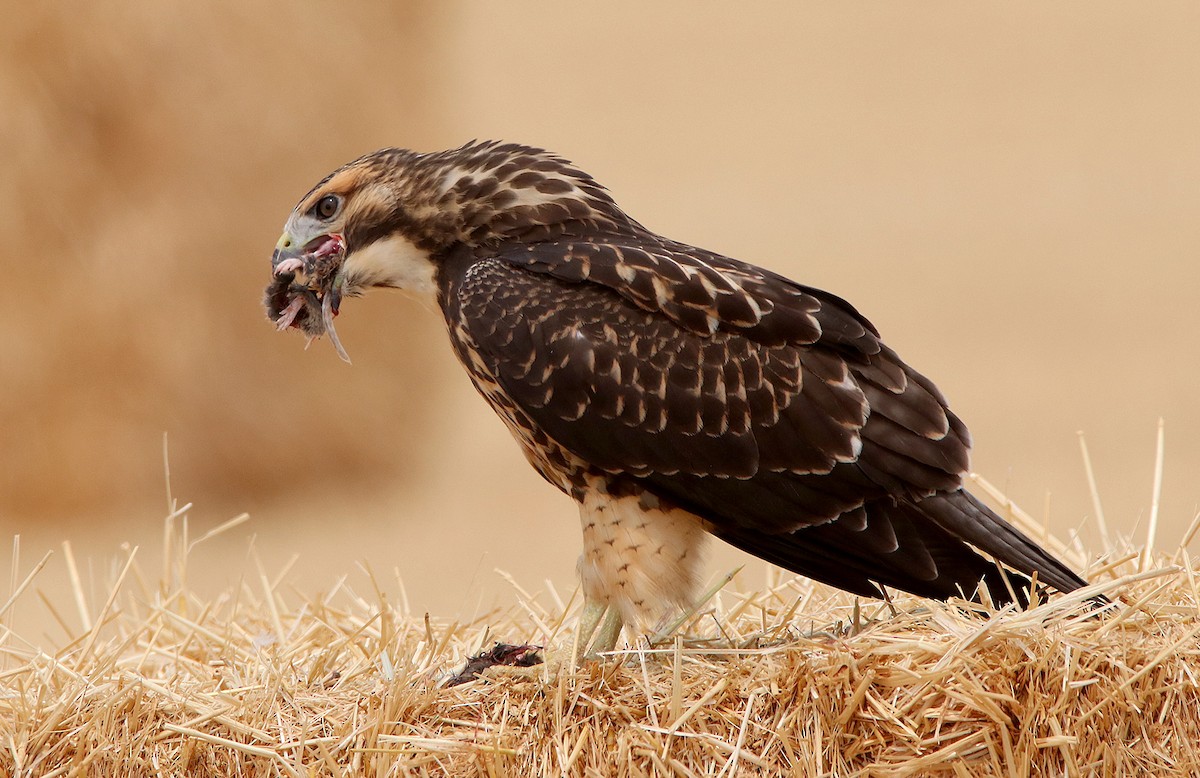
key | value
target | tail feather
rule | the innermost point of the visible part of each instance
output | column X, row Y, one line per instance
column 919, row 547
column 961, row 514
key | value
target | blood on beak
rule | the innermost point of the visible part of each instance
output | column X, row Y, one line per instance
column 318, row 259
column 308, row 280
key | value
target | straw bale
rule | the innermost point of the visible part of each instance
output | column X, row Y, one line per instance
column 262, row 681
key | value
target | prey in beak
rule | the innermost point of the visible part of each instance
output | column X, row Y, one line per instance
column 307, row 286
column 352, row 232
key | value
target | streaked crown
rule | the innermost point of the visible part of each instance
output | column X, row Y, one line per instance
column 482, row 193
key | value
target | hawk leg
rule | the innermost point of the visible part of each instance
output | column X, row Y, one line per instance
column 641, row 559
column 610, row 630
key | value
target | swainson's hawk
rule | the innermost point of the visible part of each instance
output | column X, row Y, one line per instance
column 671, row 391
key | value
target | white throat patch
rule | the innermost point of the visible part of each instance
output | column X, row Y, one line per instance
column 393, row 261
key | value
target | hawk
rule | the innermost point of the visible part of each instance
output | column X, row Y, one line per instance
column 671, row 391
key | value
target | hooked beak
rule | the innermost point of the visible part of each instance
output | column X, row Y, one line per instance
column 319, row 259
column 307, row 288
column 288, row 253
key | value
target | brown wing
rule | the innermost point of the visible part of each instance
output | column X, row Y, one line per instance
column 770, row 409
column 704, row 292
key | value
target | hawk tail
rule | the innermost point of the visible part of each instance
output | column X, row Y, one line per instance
column 918, row 547
column 964, row 516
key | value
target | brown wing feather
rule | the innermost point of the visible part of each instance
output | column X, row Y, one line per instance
column 703, row 292
column 610, row 375
column 769, row 409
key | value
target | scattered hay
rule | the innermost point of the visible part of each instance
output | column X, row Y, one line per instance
column 261, row 681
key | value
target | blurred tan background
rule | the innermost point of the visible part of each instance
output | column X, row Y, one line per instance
column 1010, row 192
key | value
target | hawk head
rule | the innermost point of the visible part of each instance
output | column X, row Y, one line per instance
column 386, row 219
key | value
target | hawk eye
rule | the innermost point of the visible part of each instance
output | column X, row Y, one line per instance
column 327, row 207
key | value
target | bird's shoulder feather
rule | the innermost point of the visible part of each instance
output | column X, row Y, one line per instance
column 701, row 291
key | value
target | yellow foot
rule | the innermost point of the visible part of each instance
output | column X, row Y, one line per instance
column 610, row 630
column 606, row 638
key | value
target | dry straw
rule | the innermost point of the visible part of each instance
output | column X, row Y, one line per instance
column 795, row 679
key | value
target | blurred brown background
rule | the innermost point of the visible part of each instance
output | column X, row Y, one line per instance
column 1011, row 192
